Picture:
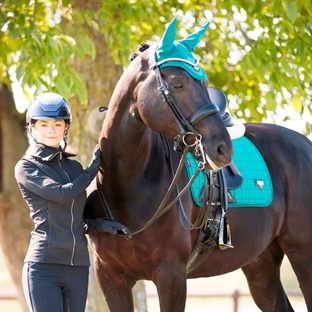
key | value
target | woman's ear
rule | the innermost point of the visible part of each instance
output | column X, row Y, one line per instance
column 66, row 129
column 32, row 130
column 32, row 126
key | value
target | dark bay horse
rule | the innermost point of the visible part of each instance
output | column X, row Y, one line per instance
column 137, row 141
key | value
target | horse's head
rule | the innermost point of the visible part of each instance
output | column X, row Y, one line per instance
column 182, row 109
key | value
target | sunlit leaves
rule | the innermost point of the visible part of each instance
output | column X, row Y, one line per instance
column 279, row 57
column 257, row 52
column 39, row 52
column 297, row 103
column 86, row 46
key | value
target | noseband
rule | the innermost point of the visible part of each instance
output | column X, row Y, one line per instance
column 186, row 126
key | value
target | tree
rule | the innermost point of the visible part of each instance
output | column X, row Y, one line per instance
column 15, row 222
column 257, row 52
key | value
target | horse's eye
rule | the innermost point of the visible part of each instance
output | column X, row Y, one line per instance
column 177, row 85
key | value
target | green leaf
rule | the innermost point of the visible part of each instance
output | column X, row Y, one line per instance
column 94, row 24
column 52, row 56
column 43, row 82
column 54, row 45
column 67, row 39
column 86, row 46
column 69, row 81
column 253, row 60
column 62, row 88
column 271, row 101
column 26, row 76
column 291, row 10
column 83, row 95
column 20, row 71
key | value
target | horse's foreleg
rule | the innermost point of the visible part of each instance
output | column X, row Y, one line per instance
column 263, row 277
column 170, row 280
column 117, row 290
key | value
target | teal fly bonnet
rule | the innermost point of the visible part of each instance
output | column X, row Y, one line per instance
column 179, row 53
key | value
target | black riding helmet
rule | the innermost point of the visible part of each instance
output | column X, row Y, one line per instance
column 47, row 106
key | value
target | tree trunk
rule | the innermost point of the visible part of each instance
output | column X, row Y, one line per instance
column 101, row 76
column 15, row 222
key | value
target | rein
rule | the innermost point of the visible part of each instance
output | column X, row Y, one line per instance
column 201, row 218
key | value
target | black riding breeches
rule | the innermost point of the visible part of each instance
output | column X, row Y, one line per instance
column 55, row 287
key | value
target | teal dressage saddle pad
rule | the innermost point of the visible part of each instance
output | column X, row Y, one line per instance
column 256, row 189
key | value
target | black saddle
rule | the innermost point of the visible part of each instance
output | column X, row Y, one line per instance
column 232, row 176
column 218, row 97
column 231, row 179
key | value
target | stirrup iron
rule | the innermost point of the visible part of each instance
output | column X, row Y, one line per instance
column 225, row 240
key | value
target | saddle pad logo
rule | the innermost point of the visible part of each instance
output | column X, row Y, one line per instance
column 35, row 173
column 259, row 184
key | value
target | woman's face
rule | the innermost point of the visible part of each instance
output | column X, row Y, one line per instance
column 49, row 132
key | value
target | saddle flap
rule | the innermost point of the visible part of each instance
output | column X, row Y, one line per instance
column 218, row 97
column 232, row 176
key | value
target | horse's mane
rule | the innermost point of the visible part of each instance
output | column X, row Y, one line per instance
column 142, row 47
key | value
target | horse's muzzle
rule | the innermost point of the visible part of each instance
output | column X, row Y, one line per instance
column 220, row 156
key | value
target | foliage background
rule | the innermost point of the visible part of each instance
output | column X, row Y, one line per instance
column 258, row 52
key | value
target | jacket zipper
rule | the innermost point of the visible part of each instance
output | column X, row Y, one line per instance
column 72, row 218
column 72, row 231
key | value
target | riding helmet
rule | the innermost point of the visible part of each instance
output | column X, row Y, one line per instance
column 47, row 106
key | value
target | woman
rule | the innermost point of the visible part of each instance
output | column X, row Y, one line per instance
column 56, row 268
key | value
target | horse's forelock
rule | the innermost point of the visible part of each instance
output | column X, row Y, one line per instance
column 142, row 47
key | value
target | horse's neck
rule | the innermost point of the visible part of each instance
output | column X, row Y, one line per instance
column 128, row 144
column 132, row 161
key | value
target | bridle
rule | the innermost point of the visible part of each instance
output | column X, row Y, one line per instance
column 186, row 126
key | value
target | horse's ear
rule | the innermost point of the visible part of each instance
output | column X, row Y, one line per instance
column 165, row 45
column 193, row 39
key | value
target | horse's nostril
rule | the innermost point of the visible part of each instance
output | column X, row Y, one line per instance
column 223, row 154
column 219, row 150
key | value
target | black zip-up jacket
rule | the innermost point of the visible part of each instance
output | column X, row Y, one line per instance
column 53, row 186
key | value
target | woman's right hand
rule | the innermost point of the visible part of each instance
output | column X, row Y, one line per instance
column 97, row 153
column 96, row 159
